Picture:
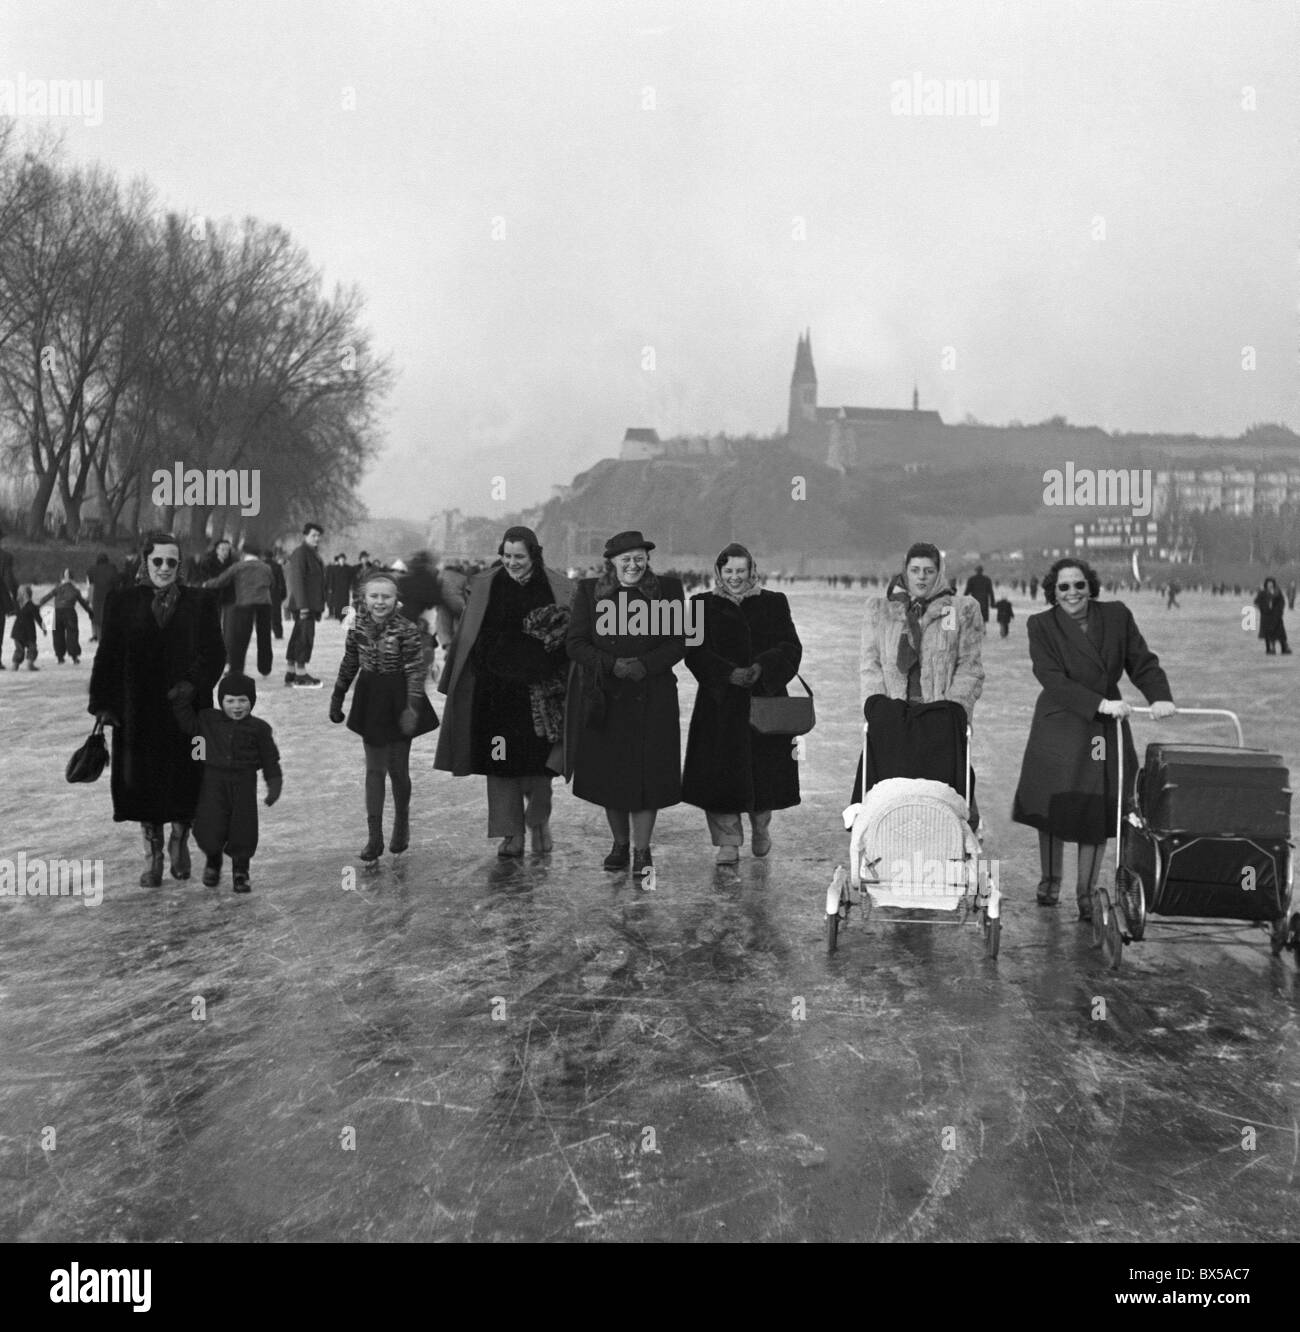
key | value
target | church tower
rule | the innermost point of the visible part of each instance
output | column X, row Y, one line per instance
column 803, row 389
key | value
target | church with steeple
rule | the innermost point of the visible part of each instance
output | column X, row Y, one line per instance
column 847, row 437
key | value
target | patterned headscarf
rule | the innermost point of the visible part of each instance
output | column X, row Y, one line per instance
column 909, row 643
column 720, row 589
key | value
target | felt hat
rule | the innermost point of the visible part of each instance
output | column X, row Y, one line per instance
column 625, row 541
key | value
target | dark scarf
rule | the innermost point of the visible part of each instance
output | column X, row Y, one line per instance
column 909, row 642
column 164, row 598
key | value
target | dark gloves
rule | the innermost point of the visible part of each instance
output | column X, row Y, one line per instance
column 273, row 786
column 336, row 708
column 630, row 668
column 181, row 693
column 408, row 722
column 743, row 677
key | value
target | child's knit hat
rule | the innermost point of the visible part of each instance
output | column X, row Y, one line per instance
column 238, row 684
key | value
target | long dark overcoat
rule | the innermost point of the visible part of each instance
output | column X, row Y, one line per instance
column 730, row 767
column 1065, row 787
column 624, row 736
column 1271, row 605
column 455, row 738
column 154, row 776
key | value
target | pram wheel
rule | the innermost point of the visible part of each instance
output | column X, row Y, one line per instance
column 1280, row 933
column 992, row 935
column 1130, row 893
column 1105, row 929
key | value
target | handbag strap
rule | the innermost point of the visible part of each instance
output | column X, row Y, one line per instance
column 803, row 682
column 98, row 728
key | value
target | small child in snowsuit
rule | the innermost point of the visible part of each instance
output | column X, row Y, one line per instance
column 235, row 745
column 1005, row 616
column 26, row 622
column 67, row 634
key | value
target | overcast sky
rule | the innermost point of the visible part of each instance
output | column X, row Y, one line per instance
column 707, row 178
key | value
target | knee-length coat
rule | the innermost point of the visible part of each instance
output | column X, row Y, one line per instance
column 624, row 747
column 155, row 778
column 730, row 767
column 458, row 680
column 1271, row 605
column 1065, row 789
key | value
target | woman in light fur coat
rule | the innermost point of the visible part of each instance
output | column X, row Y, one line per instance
column 921, row 641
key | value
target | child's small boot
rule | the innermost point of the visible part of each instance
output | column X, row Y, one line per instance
column 239, row 874
column 212, row 871
column 153, row 848
column 374, row 847
column 178, row 850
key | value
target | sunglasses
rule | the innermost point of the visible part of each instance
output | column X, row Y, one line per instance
column 1065, row 587
column 164, row 564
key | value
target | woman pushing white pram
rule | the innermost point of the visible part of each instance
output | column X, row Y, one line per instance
column 913, row 832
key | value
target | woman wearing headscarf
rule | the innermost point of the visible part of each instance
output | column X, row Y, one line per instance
column 626, row 635
column 749, row 647
column 1271, row 604
column 504, row 681
column 156, row 634
column 920, row 646
column 1080, row 647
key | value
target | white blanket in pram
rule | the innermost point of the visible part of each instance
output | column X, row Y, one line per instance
column 911, row 844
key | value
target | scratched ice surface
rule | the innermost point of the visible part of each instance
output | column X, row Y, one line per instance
column 645, row 1077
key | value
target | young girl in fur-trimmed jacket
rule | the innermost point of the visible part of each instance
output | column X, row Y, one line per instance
column 384, row 653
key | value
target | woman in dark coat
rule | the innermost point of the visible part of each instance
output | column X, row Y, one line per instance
column 505, row 690
column 154, row 635
column 750, row 647
column 1271, row 603
column 627, row 633
column 1080, row 648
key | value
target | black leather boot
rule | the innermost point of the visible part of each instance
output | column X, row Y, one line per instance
column 153, row 850
column 401, row 835
column 178, row 850
column 620, row 856
column 239, row 875
column 212, row 871
column 374, row 847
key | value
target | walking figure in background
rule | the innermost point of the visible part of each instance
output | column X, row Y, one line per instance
column 1172, row 592
column 102, row 579
column 8, row 593
column 980, row 586
column 1271, row 604
column 306, row 575
column 1005, row 613
column 156, row 634
column 504, row 678
column 1290, row 595
column 236, row 745
column 254, row 585
column 1080, row 647
column 26, row 622
column 66, row 596
column 383, row 655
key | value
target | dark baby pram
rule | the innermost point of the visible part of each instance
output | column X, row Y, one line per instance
column 1206, row 836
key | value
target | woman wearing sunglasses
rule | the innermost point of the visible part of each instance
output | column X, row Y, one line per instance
column 1080, row 647
column 156, row 634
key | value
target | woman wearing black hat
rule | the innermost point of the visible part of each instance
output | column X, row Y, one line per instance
column 627, row 633
column 504, row 682
column 750, row 647
column 156, row 634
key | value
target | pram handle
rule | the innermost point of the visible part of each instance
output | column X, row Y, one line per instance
column 1119, row 758
column 968, row 762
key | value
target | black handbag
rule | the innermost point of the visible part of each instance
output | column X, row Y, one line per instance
column 91, row 757
column 783, row 716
